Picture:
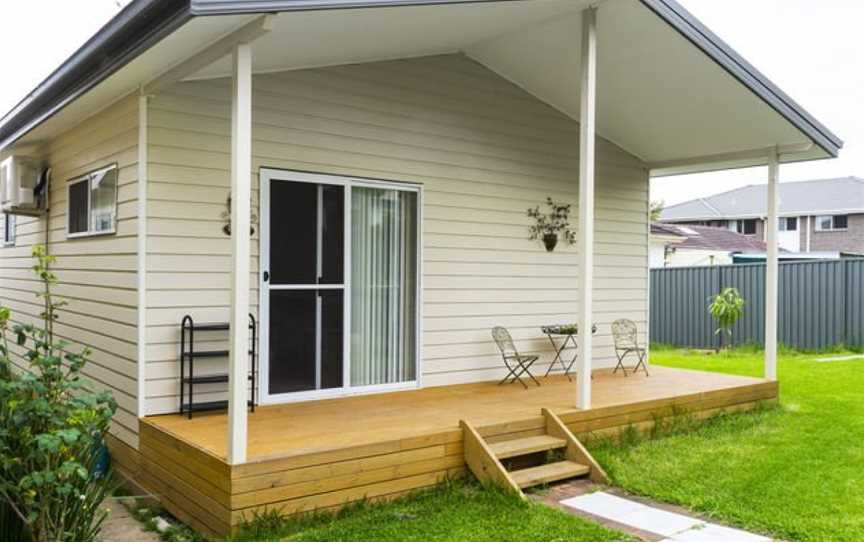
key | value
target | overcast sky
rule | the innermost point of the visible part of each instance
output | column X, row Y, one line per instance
column 812, row 50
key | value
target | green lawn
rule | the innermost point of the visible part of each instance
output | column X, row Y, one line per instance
column 796, row 472
column 457, row 511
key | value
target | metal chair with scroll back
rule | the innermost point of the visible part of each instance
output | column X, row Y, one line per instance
column 517, row 364
column 624, row 334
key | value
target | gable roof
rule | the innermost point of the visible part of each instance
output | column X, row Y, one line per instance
column 708, row 238
column 824, row 196
column 145, row 25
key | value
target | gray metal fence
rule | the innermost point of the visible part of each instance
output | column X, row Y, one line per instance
column 821, row 304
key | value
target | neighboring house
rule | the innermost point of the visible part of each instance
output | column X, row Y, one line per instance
column 389, row 151
column 815, row 216
column 685, row 246
column 661, row 240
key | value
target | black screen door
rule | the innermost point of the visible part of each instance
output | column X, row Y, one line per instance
column 305, row 285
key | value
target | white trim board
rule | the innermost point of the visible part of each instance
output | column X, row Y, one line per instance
column 142, row 254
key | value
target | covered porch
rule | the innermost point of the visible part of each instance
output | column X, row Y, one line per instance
column 623, row 89
column 322, row 454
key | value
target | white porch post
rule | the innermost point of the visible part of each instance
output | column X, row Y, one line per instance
column 771, row 268
column 241, row 201
column 586, row 203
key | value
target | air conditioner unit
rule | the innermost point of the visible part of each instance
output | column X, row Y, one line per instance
column 23, row 184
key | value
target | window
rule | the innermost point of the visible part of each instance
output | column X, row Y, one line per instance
column 92, row 203
column 788, row 223
column 747, row 227
column 8, row 230
column 831, row 222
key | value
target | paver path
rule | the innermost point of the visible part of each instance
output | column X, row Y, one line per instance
column 671, row 526
column 120, row 526
column 642, row 518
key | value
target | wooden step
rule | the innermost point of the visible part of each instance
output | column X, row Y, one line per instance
column 550, row 472
column 525, row 446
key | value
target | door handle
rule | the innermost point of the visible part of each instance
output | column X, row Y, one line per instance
column 266, row 276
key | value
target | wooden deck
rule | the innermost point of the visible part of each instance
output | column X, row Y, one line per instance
column 322, row 454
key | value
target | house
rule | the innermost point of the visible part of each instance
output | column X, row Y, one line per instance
column 673, row 245
column 379, row 156
column 820, row 216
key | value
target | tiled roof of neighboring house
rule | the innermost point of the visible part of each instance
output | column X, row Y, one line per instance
column 708, row 238
column 825, row 196
column 668, row 230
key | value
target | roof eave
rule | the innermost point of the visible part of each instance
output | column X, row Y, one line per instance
column 144, row 22
column 134, row 30
column 718, row 50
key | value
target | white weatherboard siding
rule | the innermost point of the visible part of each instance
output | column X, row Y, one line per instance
column 484, row 152
column 98, row 275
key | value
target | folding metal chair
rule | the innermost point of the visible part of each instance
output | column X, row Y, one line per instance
column 624, row 334
column 517, row 364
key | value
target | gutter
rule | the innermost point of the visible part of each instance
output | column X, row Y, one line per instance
column 139, row 26
column 234, row 7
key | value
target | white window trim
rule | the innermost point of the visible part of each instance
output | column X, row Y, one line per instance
column 87, row 178
column 6, row 219
column 818, row 227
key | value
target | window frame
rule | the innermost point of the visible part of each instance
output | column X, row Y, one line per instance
column 7, row 219
column 88, row 178
column 783, row 223
column 741, row 229
column 818, row 226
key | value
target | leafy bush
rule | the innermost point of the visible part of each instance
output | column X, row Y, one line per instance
column 51, row 428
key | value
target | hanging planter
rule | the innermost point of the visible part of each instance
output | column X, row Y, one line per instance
column 550, row 240
column 551, row 225
column 226, row 216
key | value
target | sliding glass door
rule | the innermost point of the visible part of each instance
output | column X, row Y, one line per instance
column 339, row 285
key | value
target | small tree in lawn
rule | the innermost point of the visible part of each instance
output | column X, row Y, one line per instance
column 726, row 308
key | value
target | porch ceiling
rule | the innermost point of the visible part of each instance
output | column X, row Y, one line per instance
column 660, row 96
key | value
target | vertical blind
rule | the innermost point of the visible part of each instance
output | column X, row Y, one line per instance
column 383, row 286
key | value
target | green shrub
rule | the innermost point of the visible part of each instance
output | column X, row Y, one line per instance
column 51, row 428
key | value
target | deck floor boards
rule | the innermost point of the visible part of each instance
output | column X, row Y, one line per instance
column 315, row 426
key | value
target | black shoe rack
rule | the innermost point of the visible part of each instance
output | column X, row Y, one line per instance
column 189, row 333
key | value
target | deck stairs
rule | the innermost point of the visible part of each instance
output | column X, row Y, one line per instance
column 527, row 461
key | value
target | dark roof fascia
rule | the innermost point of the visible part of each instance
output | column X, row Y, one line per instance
column 131, row 32
column 233, row 7
column 685, row 23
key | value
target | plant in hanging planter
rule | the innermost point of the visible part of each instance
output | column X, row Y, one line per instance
column 226, row 217
column 551, row 225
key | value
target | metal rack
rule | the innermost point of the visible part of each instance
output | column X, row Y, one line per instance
column 188, row 355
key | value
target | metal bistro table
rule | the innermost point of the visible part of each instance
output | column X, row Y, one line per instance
column 569, row 332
